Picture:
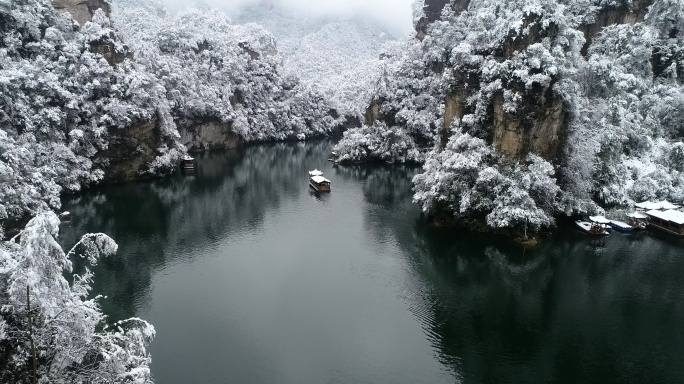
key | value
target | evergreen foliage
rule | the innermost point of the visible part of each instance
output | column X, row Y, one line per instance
column 620, row 90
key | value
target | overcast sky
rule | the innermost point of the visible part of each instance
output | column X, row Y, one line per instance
column 395, row 15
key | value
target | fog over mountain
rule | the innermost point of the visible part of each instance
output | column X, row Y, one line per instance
column 338, row 56
column 394, row 15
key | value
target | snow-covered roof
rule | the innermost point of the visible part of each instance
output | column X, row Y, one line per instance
column 636, row 215
column 599, row 219
column 620, row 224
column 667, row 205
column 319, row 179
column 662, row 205
column 669, row 215
column 315, row 172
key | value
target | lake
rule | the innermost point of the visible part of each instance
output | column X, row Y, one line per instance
column 250, row 277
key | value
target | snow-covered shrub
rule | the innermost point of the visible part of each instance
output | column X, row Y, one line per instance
column 378, row 143
column 468, row 180
column 73, row 342
column 212, row 69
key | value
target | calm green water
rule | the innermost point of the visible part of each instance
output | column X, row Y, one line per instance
column 249, row 277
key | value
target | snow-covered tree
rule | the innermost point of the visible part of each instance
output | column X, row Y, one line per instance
column 213, row 69
column 56, row 326
column 618, row 86
column 468, row 180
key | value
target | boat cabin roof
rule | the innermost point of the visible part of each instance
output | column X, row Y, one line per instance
column 599, row 219
column 315, row 172
column 319, row 179
column 636, row 215
column 620, row 224
column 669, row 215
column 660, row 205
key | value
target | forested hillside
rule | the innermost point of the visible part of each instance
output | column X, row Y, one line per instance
column 339, row 57
column 526, row 110
column 121, row 98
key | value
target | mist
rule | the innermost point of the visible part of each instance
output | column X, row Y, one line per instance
column 393, row 15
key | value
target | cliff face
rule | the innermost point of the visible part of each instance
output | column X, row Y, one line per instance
column 205, row 135
column 82, row 10
column 433, row 11
column 538, row 123
column 537, row 127
column 130, row 151
column 610, row 15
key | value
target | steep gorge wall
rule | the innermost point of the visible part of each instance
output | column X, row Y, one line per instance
column 82, row 10
column 539, row 122
column 433, row 11
column 206, row 135
column 130, row 152
column 610, row 15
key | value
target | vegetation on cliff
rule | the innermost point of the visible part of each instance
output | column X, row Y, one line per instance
column 212, row 69
column 106, row 100
column 340, row 58
column 591, row 89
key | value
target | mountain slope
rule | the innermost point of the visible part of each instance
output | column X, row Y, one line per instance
column 119, row 99
column 340, row 57
column 591, row 88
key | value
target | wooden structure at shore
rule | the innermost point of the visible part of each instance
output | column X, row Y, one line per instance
column 669, row 221
column 638, row 220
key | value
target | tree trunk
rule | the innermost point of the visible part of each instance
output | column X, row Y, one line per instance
column 33, row 346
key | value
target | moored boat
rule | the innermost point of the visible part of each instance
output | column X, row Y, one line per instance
column 188, row 163
column 621, row 226
column 591, row 228
column 637, row 220
column 601, row 221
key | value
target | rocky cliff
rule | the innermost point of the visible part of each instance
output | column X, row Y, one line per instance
column 82, row 10
column 432, row 11
column 131, row 151
column 538, row 123
column 622, row 13
column 207, row 134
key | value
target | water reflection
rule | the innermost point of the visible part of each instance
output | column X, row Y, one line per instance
column 574, row 309
column 229, row 193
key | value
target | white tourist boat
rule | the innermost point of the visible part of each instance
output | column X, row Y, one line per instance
column 318, row 182
column 598, row 225
column 188, row 162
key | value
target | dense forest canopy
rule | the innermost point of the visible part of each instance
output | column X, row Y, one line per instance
column 585, row 95
column 113, row 98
